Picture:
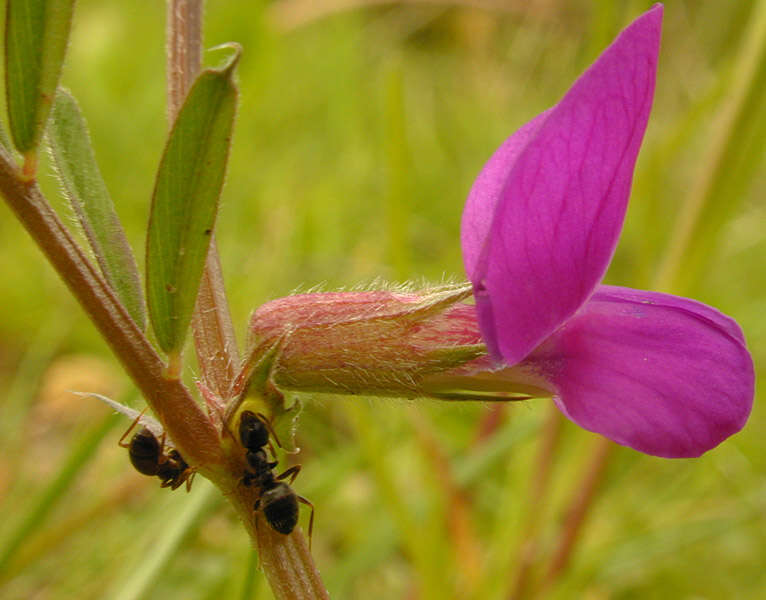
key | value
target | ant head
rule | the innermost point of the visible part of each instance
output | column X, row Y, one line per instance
column 253, row 431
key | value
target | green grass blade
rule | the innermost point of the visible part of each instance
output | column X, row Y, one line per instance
column 36, row 37
column 139, row 579
column 80, row 176
column 185, row 203
column 417, row 543
column 46, row 341
column 735, row 153
column 251, row 569
column 41, row 506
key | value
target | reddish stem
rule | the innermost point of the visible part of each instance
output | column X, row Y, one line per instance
column 214, row 339
column 185, row 422
column 184, row 51
column 286, row 560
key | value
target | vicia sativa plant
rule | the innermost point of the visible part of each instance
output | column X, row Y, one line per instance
column 665, row 375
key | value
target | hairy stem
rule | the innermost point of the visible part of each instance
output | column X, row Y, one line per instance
column 214, row 339
column 288, row 565
column 286, row 560
column 184, row 50
column 171, row 401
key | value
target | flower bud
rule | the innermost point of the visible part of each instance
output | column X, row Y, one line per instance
column 375, row 343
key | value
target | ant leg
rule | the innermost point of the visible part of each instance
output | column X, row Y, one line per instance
column 177, row 480
column 273, row 454
column 163, row 458
column 292, row 473
column 311, row 518
column 132, row 425
column 168, row 479
column 263, row 419
column 189, row 478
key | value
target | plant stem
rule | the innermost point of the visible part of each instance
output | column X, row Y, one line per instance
column 288, row 565
column 214, row 339
column 286, row 560
column 184, row 50
column 192, row 431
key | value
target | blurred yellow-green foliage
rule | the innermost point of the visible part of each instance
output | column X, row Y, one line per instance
column 361, row 126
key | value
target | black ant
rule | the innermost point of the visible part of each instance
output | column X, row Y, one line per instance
column 148, row 456
column 277, row 500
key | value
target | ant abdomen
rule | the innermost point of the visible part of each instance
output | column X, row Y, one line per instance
column 147, row 455
column 144, row 452
column 280, row 507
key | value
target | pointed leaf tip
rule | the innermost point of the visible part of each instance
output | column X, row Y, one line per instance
column 231, row 62
column 36, row 38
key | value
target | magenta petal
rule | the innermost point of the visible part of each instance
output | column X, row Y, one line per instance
column 665, row 375
column 553, row 212
column 480, row 206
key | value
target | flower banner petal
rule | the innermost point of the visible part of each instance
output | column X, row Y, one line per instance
column 551, row 226
column 480, row 206
column 664, row 375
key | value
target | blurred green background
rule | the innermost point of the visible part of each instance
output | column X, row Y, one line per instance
column 361, row 127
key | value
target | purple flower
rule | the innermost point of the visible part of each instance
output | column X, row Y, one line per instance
column 665, row 375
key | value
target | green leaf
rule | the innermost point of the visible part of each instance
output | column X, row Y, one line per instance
column 36, row 36
column 79, row 174
column 5, row 141
column 185, row 203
